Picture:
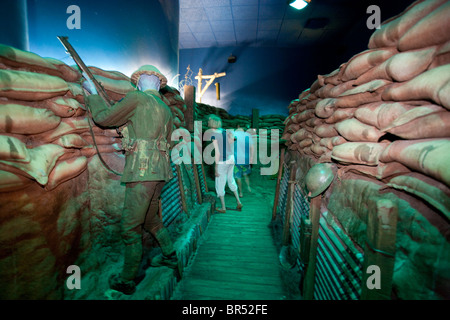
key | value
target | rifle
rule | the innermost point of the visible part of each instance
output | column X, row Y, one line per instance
column 100, row 90
column 70, row 50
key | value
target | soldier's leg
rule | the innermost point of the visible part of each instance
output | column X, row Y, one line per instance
column 154, row 225
column 137, row 200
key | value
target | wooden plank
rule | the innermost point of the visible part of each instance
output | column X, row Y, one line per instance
column 214, row 286
column 222, row 262
column 232, row 275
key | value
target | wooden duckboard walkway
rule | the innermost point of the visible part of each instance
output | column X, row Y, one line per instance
column 236, row 258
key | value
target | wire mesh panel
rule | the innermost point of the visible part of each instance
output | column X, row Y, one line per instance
column 201, row 178
column 283, row 191
column 301, row 212
column 339, row 264
column 171, row 199
column 192, row 187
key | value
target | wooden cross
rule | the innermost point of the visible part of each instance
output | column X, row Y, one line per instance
column 211, row 78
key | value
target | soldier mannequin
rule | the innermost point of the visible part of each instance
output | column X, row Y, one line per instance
column 147, row 167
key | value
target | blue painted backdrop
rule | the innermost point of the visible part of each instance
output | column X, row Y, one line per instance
column 114, row 35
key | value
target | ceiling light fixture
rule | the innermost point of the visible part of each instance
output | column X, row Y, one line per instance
column 299, row 4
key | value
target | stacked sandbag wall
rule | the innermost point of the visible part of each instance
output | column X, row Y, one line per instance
column 55, row 192
column 383, row 118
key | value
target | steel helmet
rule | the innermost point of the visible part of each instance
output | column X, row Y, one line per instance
column 319, row 178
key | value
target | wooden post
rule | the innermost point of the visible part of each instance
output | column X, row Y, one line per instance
column 197, row 184
column 199, row 77
column 211, row 78
column 183, row 195
column 189, row 99
column 255, row 118
column 277, row 191
column 380, row 250
column 308, row 284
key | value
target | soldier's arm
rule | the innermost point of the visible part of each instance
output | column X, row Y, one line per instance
column 119, row 113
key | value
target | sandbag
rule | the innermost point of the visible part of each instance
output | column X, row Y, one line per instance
column 292, row 128
column 22, row 119
column 66, row 170
column 325, row 107
column 114, row 75
column 71, row 141
column 317, row 149
column 354, row 130
column 400, row 67
column 364, row 61
column 64, row 107
column 428, row 156
column 383, row 171
column 13, row 149
column 70, row 154
column 327, row 142
column 340, row 114
column 313, row 122
column 336, row 91
column 90, row 151
column 305, row 143
column 324, row 91
column 442, row 56
column 426, row 188
column 177, row 112
column 75, row 92
column 337, row 140
column 433, row 84
column 435, row 125
column 431, row 30
column 380, row 114
column 42, row 161
column 393, row 29
column 303, row 116
column 115, row 89
column 29, row 86
column 303, row 95
column 99, row 139
column 331, row 78
column 12, row 182
column 177, row 122
column 366, row 93
column 325, row 131
column 367, row 153
column 68, row 73
column 66, row 126
column 26, row 61
column 300, row 135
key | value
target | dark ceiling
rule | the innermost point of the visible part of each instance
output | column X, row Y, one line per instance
column 221, row 23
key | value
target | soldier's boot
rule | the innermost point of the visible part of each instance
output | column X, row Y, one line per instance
column 168, row 258
column 132, row 259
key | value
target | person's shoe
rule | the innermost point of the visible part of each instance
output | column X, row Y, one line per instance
column 165, row 261
column 221, row 210
column 118, row 284
column 239, row 207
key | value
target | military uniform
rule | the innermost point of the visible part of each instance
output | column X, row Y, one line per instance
column 147, row 167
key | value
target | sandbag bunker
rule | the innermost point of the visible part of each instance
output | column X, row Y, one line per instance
column 382, row 122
